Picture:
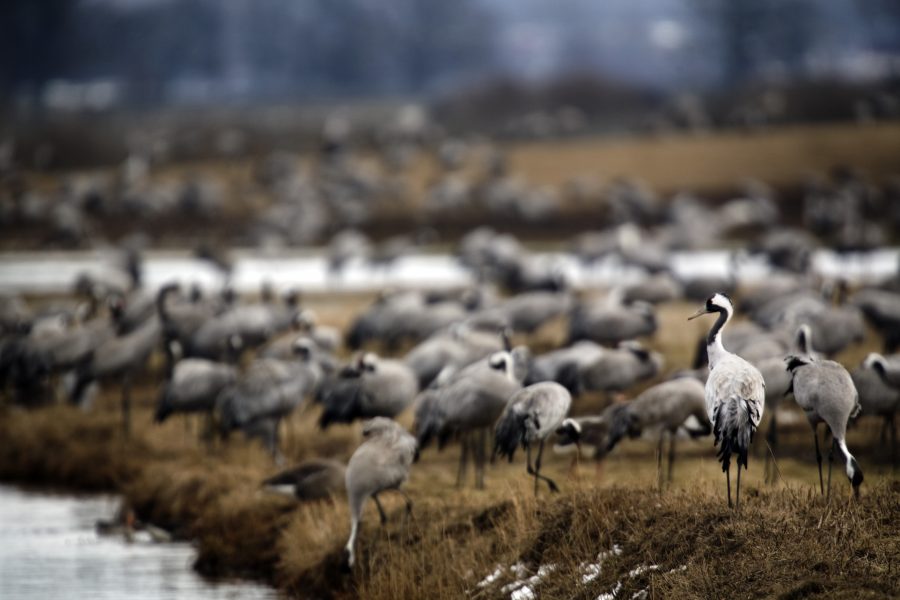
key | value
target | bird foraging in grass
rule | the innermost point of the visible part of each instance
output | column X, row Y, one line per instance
column 735, row 394
column 314, row 479
column 533, row 413
column 380, row 463
column 826, row 393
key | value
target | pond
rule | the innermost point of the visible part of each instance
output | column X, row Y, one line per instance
column 49, row 548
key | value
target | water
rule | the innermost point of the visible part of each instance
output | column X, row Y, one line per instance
column 49, row 549
column 56, row 272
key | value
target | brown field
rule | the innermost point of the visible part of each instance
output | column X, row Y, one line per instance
column 716, row 162
column 712, row 164
column 787, row 541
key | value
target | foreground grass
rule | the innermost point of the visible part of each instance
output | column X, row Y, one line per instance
column 787, row 541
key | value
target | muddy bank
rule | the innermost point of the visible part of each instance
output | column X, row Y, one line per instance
column 787, row 542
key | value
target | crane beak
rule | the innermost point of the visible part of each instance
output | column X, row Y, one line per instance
column 702, row 311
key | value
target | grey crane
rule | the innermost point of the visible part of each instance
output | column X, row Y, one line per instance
column 46, row 351
column 665, row 406
column 735, row 394
column 293, row 345
column 877, row 398
column 564, row 365
column 615, row 370
column 326, row 338
column 662, row 287
column 457, row 346
column 825, row 392
column 385, row 320
column 882, row 310
column 611, row 323
column 314, row 479
column 787, row 248
column 775, row 284
column 635, row 247
column 373, row 387
column 778, row 382
column 468, row 402
column 194, row 386
column 531, row 415
column 181, row 318
column 528, row 311
column 586, row 432
column 381, row 463
column 15, row 315
column 252, row 324
column 887, row 367
column 262, row 396
column 120, row 357
column 785, row 308
column 347, row 245
column 834, row 328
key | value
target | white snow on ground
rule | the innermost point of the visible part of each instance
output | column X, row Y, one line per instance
column 47, row 272
column 590, row 571
column 613, row 594
column 523, row 587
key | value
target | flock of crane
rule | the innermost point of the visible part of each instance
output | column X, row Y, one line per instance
column 462, row 375
column 448, row 355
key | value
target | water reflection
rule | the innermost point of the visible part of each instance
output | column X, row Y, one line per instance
column 49, row 549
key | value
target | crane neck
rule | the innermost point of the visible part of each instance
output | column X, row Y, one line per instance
column 714, row 347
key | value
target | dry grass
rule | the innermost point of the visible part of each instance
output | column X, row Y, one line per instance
column 716, row 161
column 712, row 164
column 787, row 542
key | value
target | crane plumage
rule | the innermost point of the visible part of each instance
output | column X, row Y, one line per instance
column 381, row 463
column 532, row 414
column 735, row 393
column 826, row 393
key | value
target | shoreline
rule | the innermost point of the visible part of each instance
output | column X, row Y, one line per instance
column 455, row 540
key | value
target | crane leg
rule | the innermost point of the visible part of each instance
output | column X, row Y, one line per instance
column 480, row 439
column 573, row 466
column 772, row 437
column 818, row 460
column 276, row 438
column 209, row 430
column 380, row 509
column 893, row 427
column 830, row 465
column 463, row 459
column 537, row 471
column 728, row 484
column 529, row 468
column 737, row 501
column 409, row 503
column 659, row 453
column 126, row 405
column 671, row 456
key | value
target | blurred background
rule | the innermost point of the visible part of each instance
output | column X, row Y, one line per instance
column 323, row 179
column 203, row 78
column 206, row 125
